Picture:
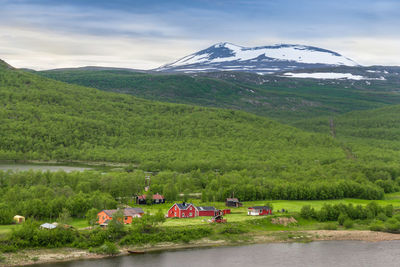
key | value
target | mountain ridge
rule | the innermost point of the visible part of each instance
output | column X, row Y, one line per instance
column 260, row 59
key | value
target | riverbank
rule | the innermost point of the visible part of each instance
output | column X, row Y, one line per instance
column 29, row 257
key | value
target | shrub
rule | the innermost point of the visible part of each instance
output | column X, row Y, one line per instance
column 108, row 248
column 376, row 226
column 330, row 226
column 382, row 217
column 389, row 210
column 348, row 224
column 392, row 225
column 232, row 229
column 307, row 212
column 342, row 217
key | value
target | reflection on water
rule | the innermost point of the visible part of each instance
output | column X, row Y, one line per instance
column 328, row 253
column 27, row 167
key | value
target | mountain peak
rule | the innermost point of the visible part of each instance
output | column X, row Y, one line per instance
column 226, row 56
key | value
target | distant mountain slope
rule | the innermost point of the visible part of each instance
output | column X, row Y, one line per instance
column 45, row 119
column 283, row 98
column 264, row 59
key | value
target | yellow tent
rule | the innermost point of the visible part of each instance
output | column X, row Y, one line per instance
column 19, row 219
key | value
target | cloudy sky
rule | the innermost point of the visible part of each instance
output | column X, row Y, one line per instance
column 144, row 34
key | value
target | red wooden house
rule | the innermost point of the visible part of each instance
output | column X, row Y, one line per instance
column 206, row 211
column 259, row 210
column 184, row 210
column 105, row 216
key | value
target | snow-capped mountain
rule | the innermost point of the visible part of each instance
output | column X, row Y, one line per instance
column 263, row 59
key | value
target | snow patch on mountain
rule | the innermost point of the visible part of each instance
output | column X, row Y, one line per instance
column 329, row 75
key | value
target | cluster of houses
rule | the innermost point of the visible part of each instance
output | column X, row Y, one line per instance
column 180, row 210
column 188, row 210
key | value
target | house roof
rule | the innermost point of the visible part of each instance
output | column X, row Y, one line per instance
column 232, row 199
column 127, row 211
column 205, row 208
column 155, row 196
column 184, row 206
column 48, row 226
column 260, row 208
column 158, row 196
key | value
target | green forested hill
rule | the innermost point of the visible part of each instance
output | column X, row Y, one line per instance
column 284, row 99
column 371, row 136
column 42, row 118
column 46, row 119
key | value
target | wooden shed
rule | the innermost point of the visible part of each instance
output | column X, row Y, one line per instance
column 233, row 202
column 19, row 219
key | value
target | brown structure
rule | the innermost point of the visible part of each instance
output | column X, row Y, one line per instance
column 157, row 199
column 233, row 202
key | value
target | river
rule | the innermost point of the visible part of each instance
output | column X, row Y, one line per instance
column 39, row 167
column 314, row 254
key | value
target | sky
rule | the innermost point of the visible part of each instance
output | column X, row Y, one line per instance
column 145, row 34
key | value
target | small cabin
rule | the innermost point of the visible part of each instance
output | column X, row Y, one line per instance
column 184, row 210
column 206, row 211
column 105, row 216
column 233, row 202
column 156, row 199
column 259, row 211
column 19, row 219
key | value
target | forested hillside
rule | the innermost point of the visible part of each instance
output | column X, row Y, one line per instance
column 46, row 119
column 373, row 135
column 281, row 98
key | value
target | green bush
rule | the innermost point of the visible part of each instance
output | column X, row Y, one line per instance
column 107, row 248
column 342, row 217
column 376, row 226
column 382, row 217
column 307, row 212
column 330, row 226
column 348, row 224
column 232, row 229
column 392, row 225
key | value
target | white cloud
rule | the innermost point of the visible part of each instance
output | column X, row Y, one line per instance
column 44, row 37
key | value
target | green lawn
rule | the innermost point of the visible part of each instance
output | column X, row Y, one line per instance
column 240, row 214
column 7, row 228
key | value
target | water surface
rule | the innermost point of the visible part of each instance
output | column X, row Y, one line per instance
column 314, row 254
column 39, row 167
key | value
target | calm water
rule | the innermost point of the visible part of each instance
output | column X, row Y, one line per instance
column 328, row 253
column 27, row 167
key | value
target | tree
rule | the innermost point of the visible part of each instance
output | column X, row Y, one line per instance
column 91, row 216
column 64, row 217
column 116, row 226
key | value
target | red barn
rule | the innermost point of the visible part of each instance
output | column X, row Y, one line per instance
column 206, row 211
column 259, row 210
column 105, row 216
column 184, row 210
